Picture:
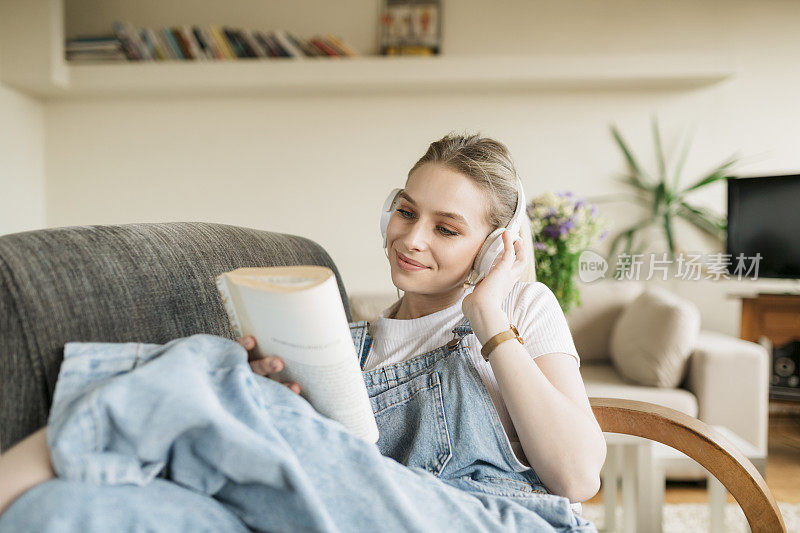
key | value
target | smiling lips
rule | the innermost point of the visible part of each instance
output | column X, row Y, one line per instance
column 408, row 264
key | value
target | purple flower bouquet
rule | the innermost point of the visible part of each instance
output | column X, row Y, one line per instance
column 562, row 226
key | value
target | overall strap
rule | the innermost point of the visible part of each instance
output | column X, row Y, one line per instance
column 365, row 350
column 461, row 330
column 361, row 339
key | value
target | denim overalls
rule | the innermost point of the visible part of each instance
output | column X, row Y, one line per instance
column 434, row 412
column 184, row 437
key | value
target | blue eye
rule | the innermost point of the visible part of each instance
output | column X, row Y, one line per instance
column 407, row 215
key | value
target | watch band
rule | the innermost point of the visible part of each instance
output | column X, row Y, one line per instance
column 503, row 336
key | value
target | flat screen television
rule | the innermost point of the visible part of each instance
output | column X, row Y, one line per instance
column 764, row 217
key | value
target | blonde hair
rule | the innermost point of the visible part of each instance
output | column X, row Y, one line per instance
column 488, row 164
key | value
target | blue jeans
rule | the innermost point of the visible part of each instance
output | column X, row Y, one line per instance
column 184, row 436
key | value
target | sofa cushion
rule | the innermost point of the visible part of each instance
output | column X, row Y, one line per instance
column 591, row 323
column 653, row 338
column 603, row 381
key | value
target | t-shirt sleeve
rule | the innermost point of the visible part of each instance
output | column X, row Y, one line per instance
column 540, row 320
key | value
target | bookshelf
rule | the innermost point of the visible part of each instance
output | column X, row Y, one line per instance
column 32, row 62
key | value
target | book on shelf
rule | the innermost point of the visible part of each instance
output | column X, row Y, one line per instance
column 227, row 51
column 325, row 47
column 201, row 43
column 265, row 43
column 340, row 45
column 97, row 48
column 186, row 50
column 173, row 44
column 125, row 36
column 282, row 38
column 304, row 45
column 253, row 44
column 296, row 313
column 156, row 45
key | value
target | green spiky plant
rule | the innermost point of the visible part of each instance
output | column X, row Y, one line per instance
column 664, row 198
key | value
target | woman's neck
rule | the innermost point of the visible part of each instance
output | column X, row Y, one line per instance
column 415, row 306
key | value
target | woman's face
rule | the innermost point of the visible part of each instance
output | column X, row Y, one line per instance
column 420, row 230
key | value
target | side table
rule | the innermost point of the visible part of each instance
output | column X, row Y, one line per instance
column 631, row 460
column 640, row 465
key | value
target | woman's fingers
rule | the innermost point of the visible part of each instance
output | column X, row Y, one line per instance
column 265, row 366
column 271, row 364
column 249, row 342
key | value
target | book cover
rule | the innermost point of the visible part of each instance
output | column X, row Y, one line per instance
column 205, row 48
column 327, row 50
column 161, row 52
column 177, row 53
column 348, row 51
column 234, row 44
column 222, row 42
column 255, row 44
column 261, row 38
column 286, row 43
column 177, row 34
column 211, row 42
column 333, row 46
column 191, row 43
column 308, row 49
column 148, row 45
column 128, row 45
column 280, row 50
column 136, row 38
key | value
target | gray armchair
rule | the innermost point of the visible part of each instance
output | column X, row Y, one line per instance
column 155, row 282
column 127, row 283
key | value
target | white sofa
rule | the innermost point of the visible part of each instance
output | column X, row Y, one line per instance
column 726, row 380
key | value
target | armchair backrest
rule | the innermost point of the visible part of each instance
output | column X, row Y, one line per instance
column 123, row 283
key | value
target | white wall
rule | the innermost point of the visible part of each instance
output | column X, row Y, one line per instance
column 321, row 166
column 21, row 162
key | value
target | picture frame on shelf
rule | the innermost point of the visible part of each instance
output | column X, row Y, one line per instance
column 411, row 27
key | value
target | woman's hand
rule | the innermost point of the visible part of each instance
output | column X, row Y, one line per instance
column 506, row 270
column 266, row 366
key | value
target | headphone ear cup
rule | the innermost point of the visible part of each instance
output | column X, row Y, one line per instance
column 491, row 248
column 386, row 213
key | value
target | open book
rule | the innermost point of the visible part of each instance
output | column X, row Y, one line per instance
column 296, row 313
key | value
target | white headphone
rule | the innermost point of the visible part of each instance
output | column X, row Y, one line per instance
column 493, row 245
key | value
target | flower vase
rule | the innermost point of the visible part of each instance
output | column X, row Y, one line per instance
column 558, row 273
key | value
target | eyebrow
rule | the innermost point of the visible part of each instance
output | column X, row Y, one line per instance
column 454, row 216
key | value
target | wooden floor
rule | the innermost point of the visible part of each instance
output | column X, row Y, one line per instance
column 783, row 463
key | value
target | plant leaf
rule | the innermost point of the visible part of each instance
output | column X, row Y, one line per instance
column 682, row 160
column 662, row 164
column 630, row 180
column 709, row 223
column 715, row 175
column 628, row 234
column 668, row 233
column 658, row 199
column 633, row 166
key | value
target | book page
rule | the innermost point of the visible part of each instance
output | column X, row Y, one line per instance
column 297, row 313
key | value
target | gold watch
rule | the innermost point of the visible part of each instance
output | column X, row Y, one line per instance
column 503, row 336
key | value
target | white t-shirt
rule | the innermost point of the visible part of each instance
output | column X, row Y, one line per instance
column 530, row 306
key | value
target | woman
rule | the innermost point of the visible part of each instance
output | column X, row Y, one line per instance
column 490, row 444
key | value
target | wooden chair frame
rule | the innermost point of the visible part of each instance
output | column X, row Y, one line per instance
column 703, row 444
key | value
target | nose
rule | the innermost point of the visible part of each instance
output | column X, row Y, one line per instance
column 414, row 236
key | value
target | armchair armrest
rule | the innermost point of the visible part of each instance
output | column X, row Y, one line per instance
column 703, row 444
column 730, row 379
